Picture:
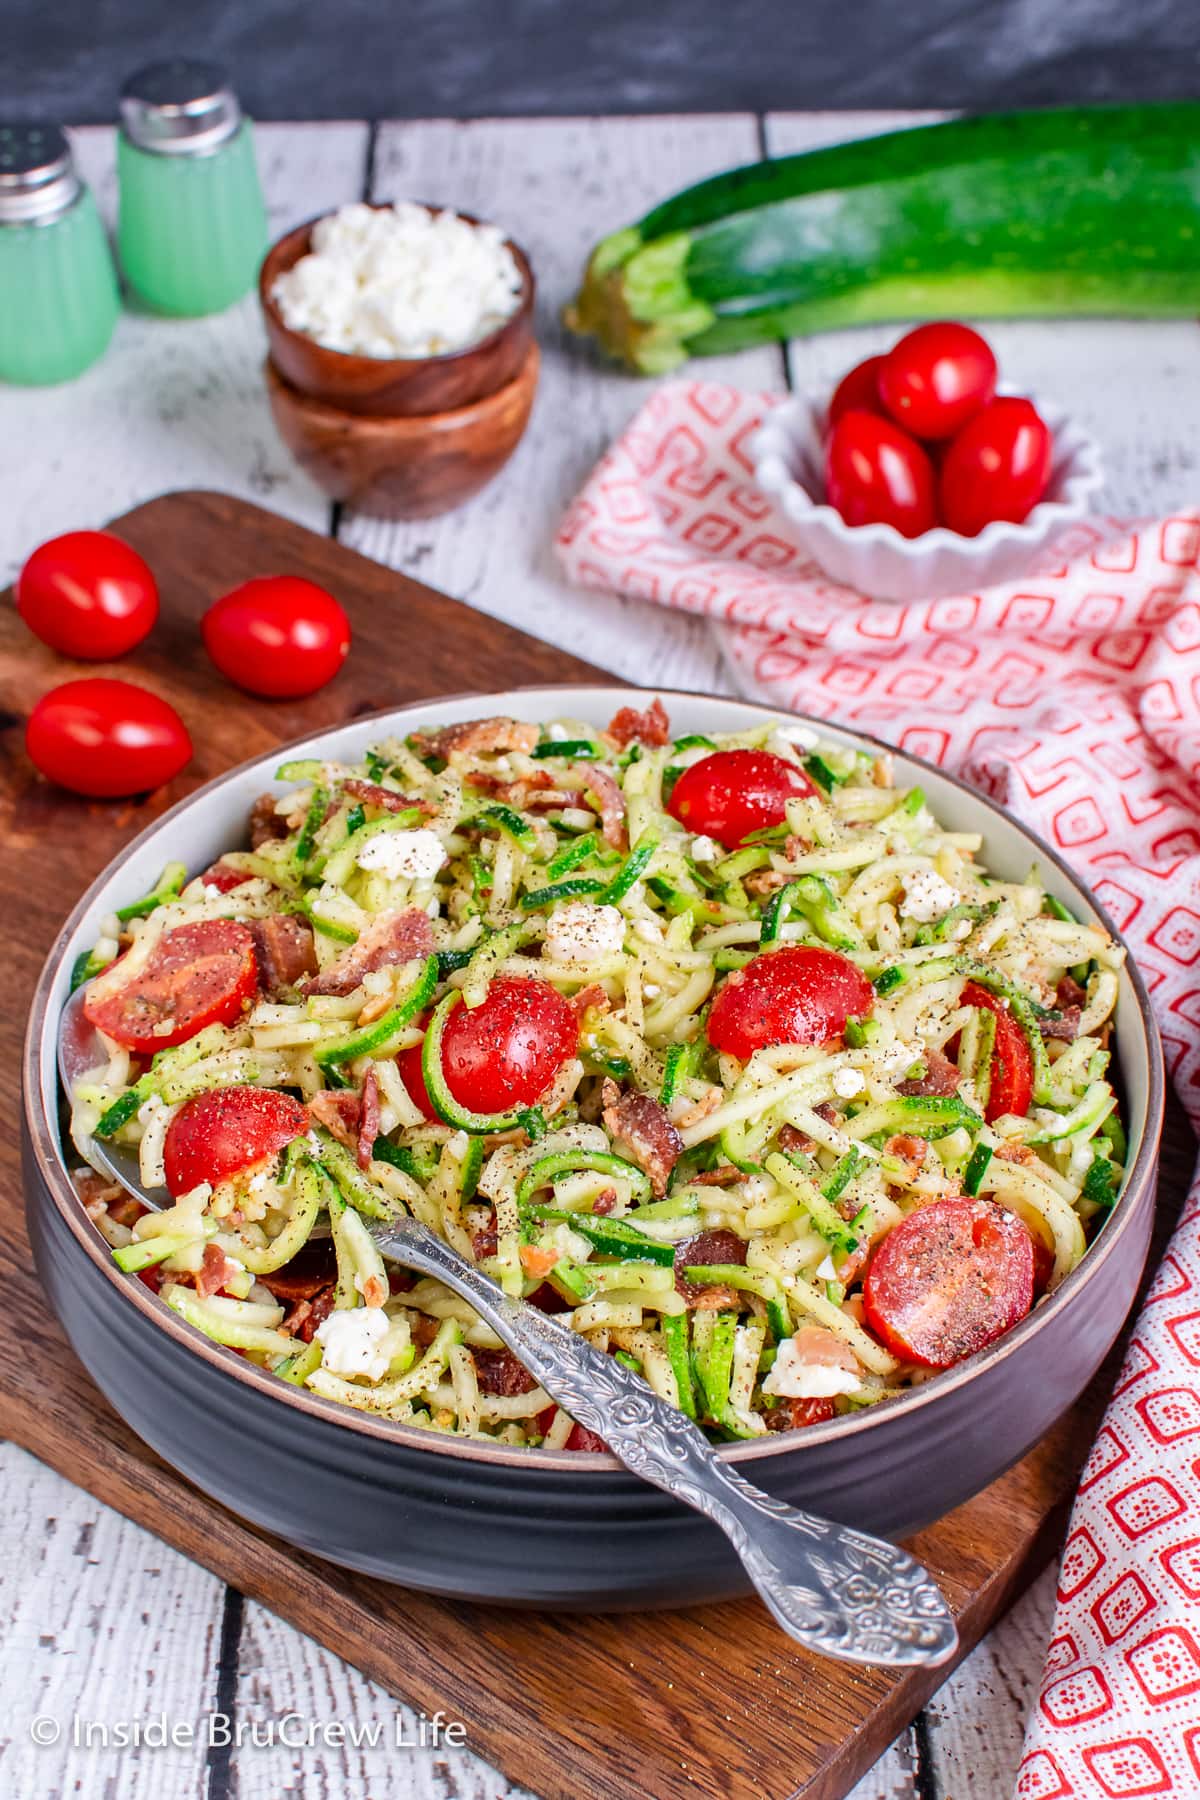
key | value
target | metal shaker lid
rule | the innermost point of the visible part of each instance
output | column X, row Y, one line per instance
column 179, row 108
column 37, row 173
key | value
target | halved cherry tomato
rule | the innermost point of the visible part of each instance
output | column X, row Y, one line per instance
column 936, row 378
column 1012, row 1066
column 106, row 738
column 580, row 1437
column 947, row 1280
column 797, row 995
column 998, row 467
column 504, row 1052
column 224, row 878
column 408, row 1064
column 226, row 1130
column 733, row 792
column 87, row 594
column 808, row 1412
column 858, row 391
column 875, row 474
column 196, row 975
column 279, row 636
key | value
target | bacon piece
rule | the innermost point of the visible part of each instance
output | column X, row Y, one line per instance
column 651, row 727
column 598, row 785
column 1064, row 1024
column 604, row 1202
column 311, row 1271
column 590, row 997
column 520, row 793
column 484, row 1243
column 1069, row 993
column 1016, row 1153
column 643, row 1131
column 765, row 881
column 369, row 793
column 390, row 938
column 339, row 1111
column 214, row 1271
column 368, row 1118
column 941, row 1076
column 910, row 1151
column 724, row 1176
column 307, row 1317
column 703, row 1251
column 284, row 951
column 499, row 1372
column 796, row 1141
column 473, row 737
column 265, row 822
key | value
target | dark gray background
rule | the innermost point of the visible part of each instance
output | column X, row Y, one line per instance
column 314, row 59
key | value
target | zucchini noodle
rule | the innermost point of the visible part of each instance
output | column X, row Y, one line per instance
column 710, row 1220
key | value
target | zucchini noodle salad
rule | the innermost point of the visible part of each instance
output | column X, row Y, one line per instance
column 719, row 1048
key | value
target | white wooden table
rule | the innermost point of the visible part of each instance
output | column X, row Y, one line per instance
column 100, row 1620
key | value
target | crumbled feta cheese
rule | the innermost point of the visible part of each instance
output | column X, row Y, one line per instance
column 795, row 736
column 407, row 855
column 927, row 897
column 351, row 1342
column 649, row 930
column 847, row 1083
column 794, row 1379
column 826, row 1270
column 399, row 281
column 557, row 733
column 705, row 849
column 651, row 990
column 582, row 933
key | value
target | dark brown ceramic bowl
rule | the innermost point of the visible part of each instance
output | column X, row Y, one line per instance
column 537, row 1527
column 393, row 387
column 409, row 467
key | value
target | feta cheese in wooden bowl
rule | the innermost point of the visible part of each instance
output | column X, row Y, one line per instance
column 397, row 310
column 402, row 363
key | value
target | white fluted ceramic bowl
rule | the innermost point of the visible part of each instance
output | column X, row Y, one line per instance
column 789, row 465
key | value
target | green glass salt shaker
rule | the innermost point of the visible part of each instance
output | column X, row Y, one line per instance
column 58, row 287
column 192, row 225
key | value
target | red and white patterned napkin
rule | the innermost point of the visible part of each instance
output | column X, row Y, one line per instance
column 1073, row 697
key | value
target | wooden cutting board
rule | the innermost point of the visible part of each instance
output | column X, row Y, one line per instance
column 709, row 1702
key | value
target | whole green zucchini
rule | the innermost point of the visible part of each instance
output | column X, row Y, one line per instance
column 1072, row 210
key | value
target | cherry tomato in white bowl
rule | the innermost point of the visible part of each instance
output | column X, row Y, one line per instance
column 87, row 594
column 106, row 738
column 998, row 467
column 936, row 378
column 875, row 474
column 279, row 636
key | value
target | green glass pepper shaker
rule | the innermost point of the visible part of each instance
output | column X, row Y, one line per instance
column 58, row 287
column 193, row 227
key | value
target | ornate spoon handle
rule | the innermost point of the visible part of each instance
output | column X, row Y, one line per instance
column 833, row 1589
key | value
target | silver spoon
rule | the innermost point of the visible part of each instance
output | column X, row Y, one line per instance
column 833, row 1589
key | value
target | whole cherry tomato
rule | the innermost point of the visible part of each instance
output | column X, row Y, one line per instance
column 998, row 467
column 504, row 1052
column 279, row 636
column 226, row 1130
column 875, row 474
column 733, row 792
column 947, row 1280
column 858, row 391
column 937, row 378
column 797, row 995
column 106, row 738
column 196, row 975
column 87, row 594
column 1011, row 1087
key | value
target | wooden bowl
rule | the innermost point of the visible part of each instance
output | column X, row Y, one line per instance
column 409, row 467
column 394, row 387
